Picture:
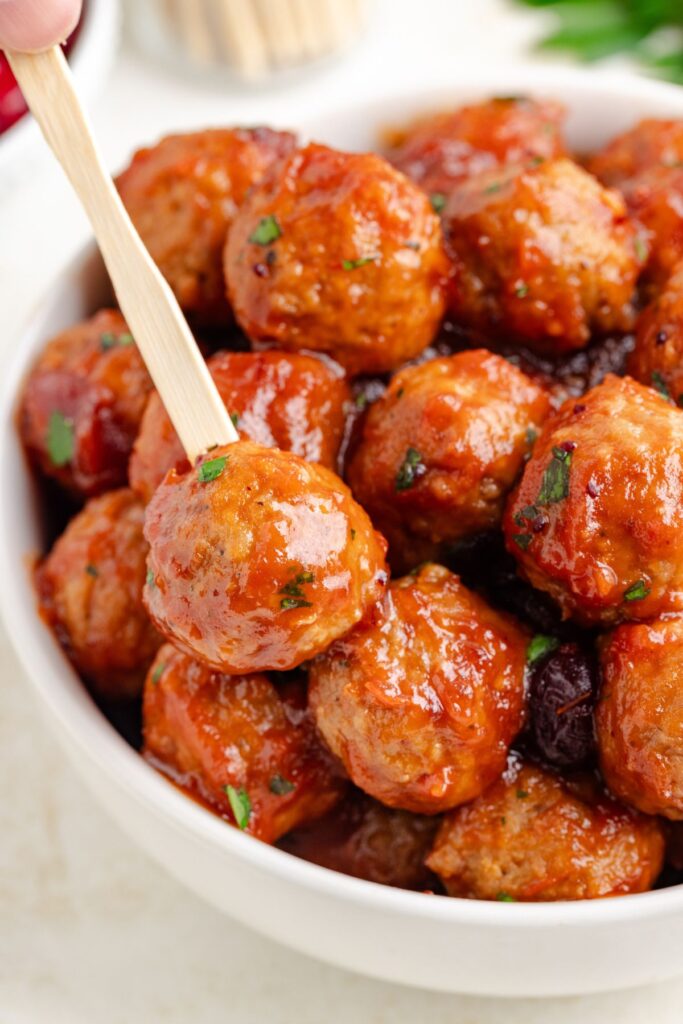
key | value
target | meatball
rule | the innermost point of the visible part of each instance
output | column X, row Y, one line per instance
column 278, row 399
column 649, row 144
column 443, row 446
column 657, row 358
column 535, row 837
column 83, row 403
column 655, row 201
column 259, row 560
column 543, row 254
column 441, row 150
column 338, row 253
column 422, row 700
column 183, row 194
column 90, row 588
column 639, row 717
column 597, row 518
column 246, row 747
column 364, row 839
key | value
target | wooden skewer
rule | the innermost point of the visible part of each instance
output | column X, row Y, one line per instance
column 148, row 304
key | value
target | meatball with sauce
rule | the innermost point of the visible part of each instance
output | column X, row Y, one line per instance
column 287, row 400
column 597, row 518
column 442, row 447
column 244, row 745
column 423, row 698
column 183, row 193
column 338, row 253
column 90, row 588
column 543, row 254
column 639, row 716
column 441, row 150
column 259, row 560
column 82, row 404
column 657, row 358
column 535, row 837
column 649, row 144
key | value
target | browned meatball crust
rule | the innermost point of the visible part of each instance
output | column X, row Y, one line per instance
column 90, row 588
column 597, row 518
column 183, row 194
column 657, row 358
column 535, row 837
column 423, row 698
column 649, row 144
column 338, row 253
column 542, row 254
column 639, row 716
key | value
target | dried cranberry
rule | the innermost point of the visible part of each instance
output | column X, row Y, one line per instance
column 561, row 700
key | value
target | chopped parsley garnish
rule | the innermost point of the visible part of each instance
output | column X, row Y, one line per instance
column 60, row 439
column 92, row 570
column 295, row 596
column 210, row 470
column 521, row 794
column 158, row 672
column 361, row 400
column 280, row 786
column 640, row 249
column 410, row 470
column 522, row 290
column 240, row 805
column 522, row 540
column 360, row 262
column 523, row 518
column 505, row 897
column 539, row 646
column 294, row 602
column 412, row 245
column 495, row 186
column 555, row 481
column 438, row 201
column 110, row 340
column 530, row 435
column 267, row 231
column 234, row 418
column 149, row 578
column 659, row 384
column 637, row 591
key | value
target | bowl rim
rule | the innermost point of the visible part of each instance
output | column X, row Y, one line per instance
column 88, row 729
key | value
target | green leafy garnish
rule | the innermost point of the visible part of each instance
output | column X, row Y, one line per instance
column 640, row 249
column 92, row 570
column 521, row 794
column 522, row 540
column 539, row 646
column 522, row 290
column 530, row 435
column 110, row 340
column 410, row 469
column 293, row 588
column 637, row 591
column 149, row 578
column 210, row 470
column 495, row 186
column 234, row 418
column 438, row 201
column 505, row 897
column 555, row 481
column 659, row 384
column 240, row 805
column 361, row 400
column 267, row 231
column 158, row 672
column 361, row 262
column 60, row 439
column 294, row 602
column 280, row 786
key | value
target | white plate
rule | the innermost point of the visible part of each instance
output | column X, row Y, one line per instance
column 431, row 941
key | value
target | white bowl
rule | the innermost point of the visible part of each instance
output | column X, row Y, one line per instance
column 430, row 941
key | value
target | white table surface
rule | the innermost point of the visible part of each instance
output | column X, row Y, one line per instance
column 91, row 931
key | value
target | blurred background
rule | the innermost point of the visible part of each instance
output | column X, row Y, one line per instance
column 89, row 930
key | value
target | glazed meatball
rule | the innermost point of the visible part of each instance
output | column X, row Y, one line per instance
column 649, row 144
column 542, row 254
column 83, row 403
column 443, row 446
column 422, row 700
column 597, row 518
column 245, row 746
column 90, row 588
column 278, row 399
column 639, row 716
column 655, row 201
column 657, row 358
column 534, row 837
column 183, row 194
column 364, row 839
column 338, row 253
column 441, row 150
column 259, row 560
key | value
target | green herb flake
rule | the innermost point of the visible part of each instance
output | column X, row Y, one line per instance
column 495, row 186
column 539, row 646
column 92, row 570
column 438, row 201
column 659, row 384
column 158, row 672
column 361, row 400
column 410, row 469
column 110, row 340
column 360, row 262
column 149, row 578
column 212, row 469
column 234, row 418
column 522, row 540
column 505, row 897
column 555, row 481
column 267, row 231
column 640, row 249
column 521, row 794
column 294, row 602
column 530, row 435
column 637, row 591
column 280, row 786
column 240, row 804
column 293, row 588
column 60, row 439
column 522, row 290
column 412, row 245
